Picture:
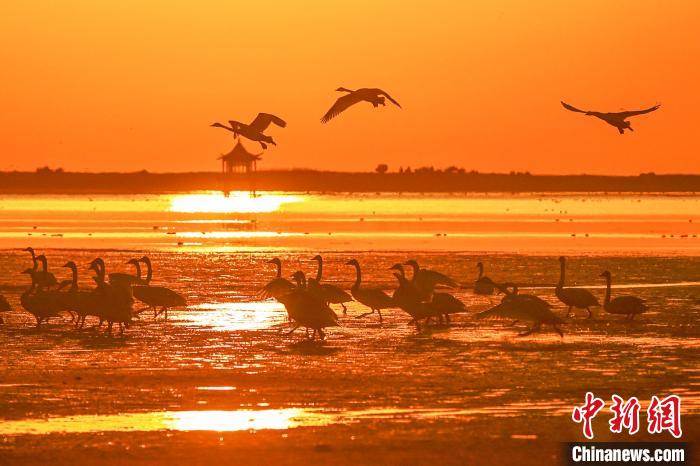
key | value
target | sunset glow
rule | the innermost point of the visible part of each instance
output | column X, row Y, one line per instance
column 135, row 85
column 237, row 202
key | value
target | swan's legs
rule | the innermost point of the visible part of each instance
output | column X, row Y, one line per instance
column 529, row 331
column 568, row 313
column 558, row 330
column 365, row 314
column 381, row 319
column 345, row 309
column 321, row 334
column 296, row 326
column 590, row 314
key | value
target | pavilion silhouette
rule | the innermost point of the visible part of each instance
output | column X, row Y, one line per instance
column 238, row 161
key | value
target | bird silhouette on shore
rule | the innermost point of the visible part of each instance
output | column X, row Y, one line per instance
column 376, row 97
column 255, row 130
column 616, row 119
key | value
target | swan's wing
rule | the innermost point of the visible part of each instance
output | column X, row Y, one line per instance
column 339, row 106
column 437, row 278
column 263, row 120
column 4, row 304
column 638, row 112
column 572, row 108
column 506, row 310
column 381, row 92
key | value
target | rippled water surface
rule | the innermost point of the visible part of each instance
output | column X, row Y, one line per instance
column 225, row 364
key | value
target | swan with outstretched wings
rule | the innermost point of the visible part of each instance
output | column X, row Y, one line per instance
column 376, row 97
column 616, row 119
column 255, row 130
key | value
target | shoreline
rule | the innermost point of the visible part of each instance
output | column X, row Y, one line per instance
column 339, row 182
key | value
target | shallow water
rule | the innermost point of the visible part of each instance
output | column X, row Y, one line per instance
column 544, row 222
column 225, row 363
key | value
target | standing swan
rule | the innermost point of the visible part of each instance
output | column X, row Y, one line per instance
column 574, row 297
column 156, row 296
column 41, row 304
column 407, row 299
column 114, row 301
column 528, row 308
column 483, row 285
column 628, row 305
column 426, row 280
column 330, row 294
column 115, row 277
column 308, row 310
column 373, row 298
column 278, row 286
column 44, row 278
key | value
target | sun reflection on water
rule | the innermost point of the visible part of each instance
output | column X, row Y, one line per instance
column 234, row 315
column 235, row 202
column 218, row 421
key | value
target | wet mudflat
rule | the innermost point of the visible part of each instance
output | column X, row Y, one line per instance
column 221, row 379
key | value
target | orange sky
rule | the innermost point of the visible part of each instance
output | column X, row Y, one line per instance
column 130, row 85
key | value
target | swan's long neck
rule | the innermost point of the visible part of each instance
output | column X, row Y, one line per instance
column 219, row 125
column 138, row 269
column 345, row 89
column 608, row 281
column 319, row 272
column 74, row 278
column 416, row 269
column 481, row 271
column 99, row 276
column 44, row 264
column 279, row 269
column 149, row 272
column 358, row 276
column 34, row 261
column 562, row 272
column 31, row 286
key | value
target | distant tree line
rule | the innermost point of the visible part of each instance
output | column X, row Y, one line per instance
column 384, row 168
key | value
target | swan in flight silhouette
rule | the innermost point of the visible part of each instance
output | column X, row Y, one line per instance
column 254, row 130
column 628, row 305
column 616, row 119
column 376, row 97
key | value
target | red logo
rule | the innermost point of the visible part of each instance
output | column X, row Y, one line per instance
column 665, row 415
column 587, row 412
